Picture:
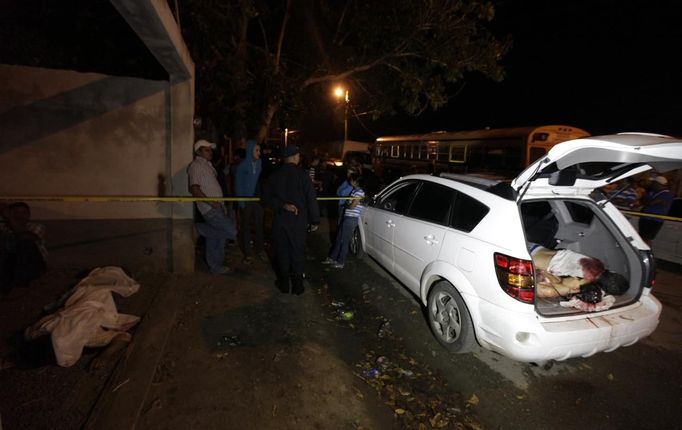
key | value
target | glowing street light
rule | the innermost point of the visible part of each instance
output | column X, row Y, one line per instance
column 340, row 92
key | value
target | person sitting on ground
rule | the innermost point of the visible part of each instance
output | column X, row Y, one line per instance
column 563, row 272
column 23, row 256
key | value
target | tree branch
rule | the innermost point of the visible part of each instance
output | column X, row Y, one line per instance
column 355, row 70
column 280, row 40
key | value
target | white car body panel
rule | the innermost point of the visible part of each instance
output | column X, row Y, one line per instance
column 660, row 152
column 466, row 259
column 416, row 243
column 379, row 224
column 524, row 337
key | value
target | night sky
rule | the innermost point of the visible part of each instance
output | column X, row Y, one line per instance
column 605, row 66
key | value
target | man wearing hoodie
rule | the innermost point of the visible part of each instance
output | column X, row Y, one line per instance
column 246, row 184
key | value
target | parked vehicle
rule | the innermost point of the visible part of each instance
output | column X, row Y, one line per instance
column 461, row 244
column 496, row 151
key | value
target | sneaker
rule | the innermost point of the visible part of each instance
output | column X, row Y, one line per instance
column 223, row 270
column 328, row 261
column 337, row 266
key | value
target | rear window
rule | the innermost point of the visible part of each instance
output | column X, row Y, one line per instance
column 467, row 213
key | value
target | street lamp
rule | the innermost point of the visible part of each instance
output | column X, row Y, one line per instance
column 340, row 92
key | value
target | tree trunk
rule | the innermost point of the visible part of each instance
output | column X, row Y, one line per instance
column 270, row 112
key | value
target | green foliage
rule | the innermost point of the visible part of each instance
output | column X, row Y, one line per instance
column 405, row 55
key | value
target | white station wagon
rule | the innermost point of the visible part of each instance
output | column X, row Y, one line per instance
column 461, row 244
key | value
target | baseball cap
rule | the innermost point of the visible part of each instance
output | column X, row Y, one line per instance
column 290, row 150
column 203, row 143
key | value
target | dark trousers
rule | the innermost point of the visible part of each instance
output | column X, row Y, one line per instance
column 648, row 228
column 342, row 243
column 20, row 264
column 289, row 259
column 251, row 216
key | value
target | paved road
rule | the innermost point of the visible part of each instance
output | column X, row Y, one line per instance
column 232, row 352
column 634, row 387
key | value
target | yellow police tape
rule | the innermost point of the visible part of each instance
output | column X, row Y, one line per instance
column 178, row 199
column 174, row 199
column 643, row 214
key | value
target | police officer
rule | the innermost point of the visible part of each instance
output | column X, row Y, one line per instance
column 291, row 196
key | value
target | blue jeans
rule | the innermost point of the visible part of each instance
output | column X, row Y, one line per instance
column 216, row 228
column 342, row 242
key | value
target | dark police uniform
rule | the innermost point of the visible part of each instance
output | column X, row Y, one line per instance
column 290, row 184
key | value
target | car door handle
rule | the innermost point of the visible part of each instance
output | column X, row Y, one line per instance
column 431, row 239
column 390, row 223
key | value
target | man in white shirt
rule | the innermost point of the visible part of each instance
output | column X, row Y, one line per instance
column 217, row 227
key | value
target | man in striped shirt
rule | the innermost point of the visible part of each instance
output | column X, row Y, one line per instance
column 351, row 215
column 217, row 227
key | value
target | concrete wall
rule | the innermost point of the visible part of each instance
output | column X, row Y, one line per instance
column 70, row 133
column 65, row 133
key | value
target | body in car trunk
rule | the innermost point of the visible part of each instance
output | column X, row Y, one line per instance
column 580, row 225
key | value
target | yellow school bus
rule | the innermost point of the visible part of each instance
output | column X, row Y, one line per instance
column 496, row 151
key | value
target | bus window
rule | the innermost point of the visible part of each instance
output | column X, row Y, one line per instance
column 443, row 152
column 535, row 153
column 539, row 137
column 496, row 156
column 503, row 151
column 432, row 151
column 458, row 153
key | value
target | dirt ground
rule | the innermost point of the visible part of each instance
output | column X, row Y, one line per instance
column 237, row 354
column 48, row 396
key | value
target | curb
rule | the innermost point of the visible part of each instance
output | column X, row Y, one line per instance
column 121, row 401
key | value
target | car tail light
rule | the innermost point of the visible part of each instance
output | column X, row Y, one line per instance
column 516, row 277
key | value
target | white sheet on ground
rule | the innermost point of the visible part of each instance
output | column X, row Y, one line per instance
column 88, row 311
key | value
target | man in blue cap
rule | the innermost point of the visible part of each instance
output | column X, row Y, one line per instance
column 291, row 196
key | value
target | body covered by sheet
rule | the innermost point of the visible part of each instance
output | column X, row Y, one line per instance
column 89, row 316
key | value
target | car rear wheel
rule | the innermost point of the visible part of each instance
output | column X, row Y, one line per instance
column 356, row 244
column 449, row 318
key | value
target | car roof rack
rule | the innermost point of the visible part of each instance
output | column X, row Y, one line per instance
column 474, row 181
column 495, row 186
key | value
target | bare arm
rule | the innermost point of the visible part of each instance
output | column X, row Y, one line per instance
column 195, row 190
